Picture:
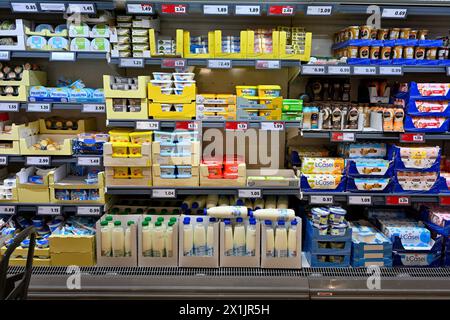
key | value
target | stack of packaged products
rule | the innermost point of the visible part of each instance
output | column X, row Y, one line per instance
column 91, row 35
column 211, row 106
column 295, row 39
column 262, row 102
column 229, row 170
column 426, row 105
column 322, row 174
column 47, row 37
column 12, row 35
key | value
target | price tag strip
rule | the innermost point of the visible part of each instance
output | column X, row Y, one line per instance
column 140, row 8
column 394, row 13
column 391, row 71
column 267, row 64
column 49, row 210
column 5, row 55
column 62, row 56
column 164, row 193
column 444, row 201
column 147, row 125
column 173, row 63
column 9, row 106
column 281, row 10
column 94, row 108
column 89, row 211
column 272, row 126
column 321, row 199
column 174, row 8
column 24, row 7
column 219, row 64
column 7, row 209
column 364, row 70
column 39, row 107
column 81, row 8
column 319, row 10
column 360, row 200
column 313, row 69
column 249, row 193
column 89, row 161
column 338, row 70
column 342, row 137
column 412, row 137
column 247, row 10
column 215, row 9
column 52, row 7
column 233, row 125
column 398, row 201
column 38, row 161
column 131, row 63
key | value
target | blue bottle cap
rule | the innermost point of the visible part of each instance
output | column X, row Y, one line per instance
column 227, row 222
column 268, row 222
column 294, row 222
column 205, row 211
column 252, row 221
column 194, row 205
column 239, row 219
column 250, row 213
column 212, row 219
column 199, row 219
column 281, row 222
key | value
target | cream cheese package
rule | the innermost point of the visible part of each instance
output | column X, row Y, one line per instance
column 36, row 43
column 417, row 158
column 100, row 44
column 413, row 235
column 417, row 181
column 369, row 167
column 81, row 30
column 100, row 31
column 322, row 165
column 58, row 43
column 80, row 44
column 322, row 181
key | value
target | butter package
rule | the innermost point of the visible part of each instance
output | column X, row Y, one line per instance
column 369, row 167
column 80, row 95
column 78, row 30
column 37, row 92
column 58, row 43
column 365, row 150
column 100, row 31
column 80, row 44
column 321, row 181
column 323, row 165
column 368, row 184
column 100, row 44
column 36, row 43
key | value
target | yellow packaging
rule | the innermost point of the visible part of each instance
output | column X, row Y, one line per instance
column 120, row 149
column 135, row 150
column 323, row 181
column 119, row 135
column 322, row 165
column 269, row 91
column 141, row 137
column 136, row 172
column 120, row 172
column 246, row 91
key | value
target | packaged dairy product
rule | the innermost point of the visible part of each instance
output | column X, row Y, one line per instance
column 259, row 204
column 169, row 239
column 199, row 238
column 412, row 234
column 146, row 239
column 270, row 238
column 118, row 241
column 106, row 236
column 239, row 238
column 322, row 165
column 228, row 238
column 188, row 237
column 223, row 201
column 281, row 240
column 372, row 167
column 337, row 215
column 128, row 235
column 282, row 202
column 227, row 212
column 248, row 203
column 274, row 214
column 210, row 237
column 270, row 202
column 250, row 238
column 158, row 240
column 212, row 200
column 323, row 181
column 371, row 184
column 292, row 240
column 187, row 202
column 365, row 150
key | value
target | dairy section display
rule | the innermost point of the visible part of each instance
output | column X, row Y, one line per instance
column 270, row 148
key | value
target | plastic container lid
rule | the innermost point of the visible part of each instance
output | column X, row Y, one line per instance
column 252, row 221
column 176, row 211
column 129, row 223
column 104, row 223
column 199, row 220
column 145, row 223
column 239, row 219
column 186, row 220
column 108, row 218
column 294, row 222
column 205, row 211
column 227, row 222
column 250, row 213
column 148, row 219
column 268, row 222
column 158, row 224
column 160, row 219
column 151, row 211
column 139, row 211
column 212, row 219
column 280, row 222
column 173, row 219
column 171, row 223
column 164, row 211
column 117, row 223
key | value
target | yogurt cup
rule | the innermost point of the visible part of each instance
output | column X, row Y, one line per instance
column 337, row 245
column 337, row 215
column 165, row 84
column 323, row 229
column 184, row 172
column 165, row 76
column 320, row 216
column 182, row 84
column 338, row 229
column 167, row 172
column 336, row 259
column 188, row 76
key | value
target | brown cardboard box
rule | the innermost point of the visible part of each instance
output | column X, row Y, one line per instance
column 82, row 259
column 65, row 244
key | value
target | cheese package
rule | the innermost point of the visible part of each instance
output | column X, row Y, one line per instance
column 416, row 181
column 323, row 165
column 364, row 150
column 78, row 30
column 368, row 184
column 80, row 44
column 323, row 181
column 368, row 167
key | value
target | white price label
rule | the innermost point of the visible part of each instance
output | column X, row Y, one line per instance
column 131, row 63
column 164, row 193
column 391, row 71
column 313, row 69
column 38, row 161
column 62, row 56
column 215, row 9
column 9, row 106
column 88, row 161
column 394, row 13
column 272, row 126
column 81, row 8
column 24, row 7
column 249, row 193
column 5, row 55
column 246, row 10
column 140, row 8
column 323, row 199
column 403, row 200
column 219, row 64
column 7, row 209
column 319, row 10
column 360, row 70
column 147, row 125
column 3, row 160
column 39, row 107
column 180, row 9
column 53, row 7
column 94, row 107
column 51, row 210
column 267, row 64
column 89, row 211
column 241, row 126
column 360, row 200
column 339, row 70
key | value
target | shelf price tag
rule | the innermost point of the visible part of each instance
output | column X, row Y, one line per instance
column 267, row 64
column 444, row 200
column 52, row 7
column 89, row 161
column 319, row 10
column 219, row 64
column 186, row 125
column 394, row 13
column 339, row 70
column 7, row 209
column 360, row 200
column 174, row 8
column 215, row 9
column 39, row 107
column 89, row 211
column 131, row 63
column 391, row 71
column 412, row 137
column 3, row 160
column 272, row 126
column 236, row 126
column 38, row 161
column 140, row 8
column 398, row 200
column 81, row 8
column 9, row 106
column 94, row 108
column 50, row 210
column 313, row 69
column 164, row 193
column 24, row 7
column 249, row 193
column 5, row 55
column 322, row 199
column 247, row 10
column 342, row 137
column 62, row 56
column 364, row 70
column 147, row 125
column 173, row 63
column 281, row 11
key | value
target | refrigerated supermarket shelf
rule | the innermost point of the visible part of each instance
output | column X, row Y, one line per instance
column 214, row 283
column 55, row 160
column 199, row 191
column 47, row 55
column 68, row 106
column 99, row 4
column 204, row 123
column 315, row 134
column 69, row 209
